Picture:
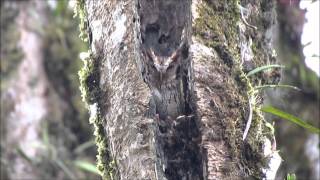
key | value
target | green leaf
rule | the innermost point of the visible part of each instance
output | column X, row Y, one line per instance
column 291, row 177
column 262, row 68
column 277, row 86
column 291, row 118
column 64, row 168
column 45, row 134
column 61, row 7
column 87, row 166
column 24, row 155
column 82, row 147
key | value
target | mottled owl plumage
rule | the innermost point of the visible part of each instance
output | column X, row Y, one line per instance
column 166, row 77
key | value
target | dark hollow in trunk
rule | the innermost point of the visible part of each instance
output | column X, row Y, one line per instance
column 164, row 40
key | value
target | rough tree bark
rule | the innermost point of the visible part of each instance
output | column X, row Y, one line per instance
column 140, row 131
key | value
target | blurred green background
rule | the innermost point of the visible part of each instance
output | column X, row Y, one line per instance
column 45, row 133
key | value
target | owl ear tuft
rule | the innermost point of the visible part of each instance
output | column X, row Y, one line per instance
column 150, row 54
column 183, row 50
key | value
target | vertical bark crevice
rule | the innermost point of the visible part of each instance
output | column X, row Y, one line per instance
column 164, row 36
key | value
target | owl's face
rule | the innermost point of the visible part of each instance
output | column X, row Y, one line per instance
column 164, row 69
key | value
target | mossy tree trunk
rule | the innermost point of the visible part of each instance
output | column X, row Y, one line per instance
column 206, row 140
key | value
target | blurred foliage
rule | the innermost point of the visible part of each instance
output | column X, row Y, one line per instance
column 11, row 55
column 291, row 118
column 87, row 166
column 61, row 60
column 291, row 140
column 62, row 47
column 291, row 177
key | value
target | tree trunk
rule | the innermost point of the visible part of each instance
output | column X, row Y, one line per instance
column 167, row 91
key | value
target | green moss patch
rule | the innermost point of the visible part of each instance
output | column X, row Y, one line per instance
column 89, row 77
column 217, row 27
